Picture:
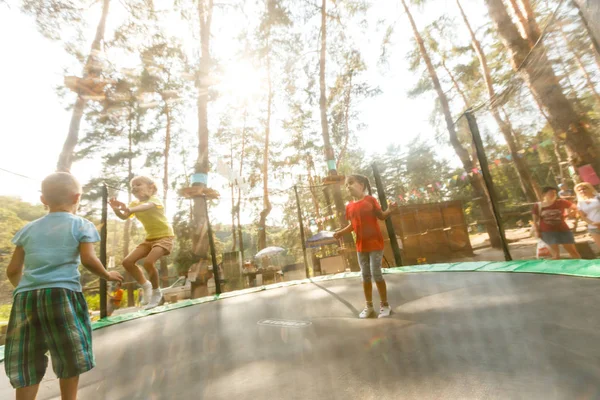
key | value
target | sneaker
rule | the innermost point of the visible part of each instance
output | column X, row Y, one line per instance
column 146, row 293
column 385, row 311
column 368, row 312
column 156, row 300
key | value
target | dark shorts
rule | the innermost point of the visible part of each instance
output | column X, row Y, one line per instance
column 54, row 320
column 558, row 237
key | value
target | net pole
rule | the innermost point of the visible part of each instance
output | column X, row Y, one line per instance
column 302, row 238
column 103, row 236
column 213, row 253
column 388, row 221
column 487, row 178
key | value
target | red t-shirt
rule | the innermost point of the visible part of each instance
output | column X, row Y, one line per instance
column 361, row 215
column 552, row 218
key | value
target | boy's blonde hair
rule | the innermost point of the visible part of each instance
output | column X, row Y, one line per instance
column 58, row 188
column 147, row 181
column 587, row 185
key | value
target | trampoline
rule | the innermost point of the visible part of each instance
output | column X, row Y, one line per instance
column 456, row 333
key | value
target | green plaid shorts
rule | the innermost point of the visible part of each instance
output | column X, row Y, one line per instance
column 48, row 320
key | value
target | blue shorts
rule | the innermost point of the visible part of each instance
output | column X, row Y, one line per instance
column 370, row 265
column 558, row 237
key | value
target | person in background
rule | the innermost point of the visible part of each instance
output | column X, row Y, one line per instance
column 115, row 298
column 588, row 204
column 549, row 222
column 565, row 192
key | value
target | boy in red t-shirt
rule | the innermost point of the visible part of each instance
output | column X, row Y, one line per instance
column 550, row 224
column 363, row 214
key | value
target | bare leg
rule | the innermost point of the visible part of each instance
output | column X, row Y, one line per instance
column 572, row 250
column 596, row 238
column 28, row 392
column 151, row 258
column 382, row 289
column 368, row 289
column 134, row 270
column 68, row 388
column 555, row 250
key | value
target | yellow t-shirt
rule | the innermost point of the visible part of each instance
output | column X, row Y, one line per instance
column 154, row 220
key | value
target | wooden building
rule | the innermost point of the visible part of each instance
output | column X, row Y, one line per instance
column 431, row 233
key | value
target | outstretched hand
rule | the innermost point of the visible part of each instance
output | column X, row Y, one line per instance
column 115, row 276
column 119, row 206
column 393, row 205
column 116, row 204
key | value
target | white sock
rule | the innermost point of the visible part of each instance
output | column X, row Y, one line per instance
column 146, row 285
column 155, row 291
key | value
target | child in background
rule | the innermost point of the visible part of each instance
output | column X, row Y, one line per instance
column 149, row 210
column 363, row 214
column 49, row 311
column 115, row 299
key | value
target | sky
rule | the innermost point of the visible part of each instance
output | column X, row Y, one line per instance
column 34, row 122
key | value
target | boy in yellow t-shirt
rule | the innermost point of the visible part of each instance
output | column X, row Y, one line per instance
column 149, row 210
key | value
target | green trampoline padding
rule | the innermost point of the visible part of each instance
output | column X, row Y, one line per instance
column 581, row 268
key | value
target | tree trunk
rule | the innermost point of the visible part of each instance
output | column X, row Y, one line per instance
column 543, row 82
column 520, row 17
column 530, row 189
column 461, row 152
column 595, row 46
column 455, row 84
column 531, row 27
column 329, row 153
column 588, row 79
column 239, row 200
column 262, row 223
column 65, row 159
column 128, row 222
column 164, row 266
column 347, row 99
column 231, row 185
column 199, row 237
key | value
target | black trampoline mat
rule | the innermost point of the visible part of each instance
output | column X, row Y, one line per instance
column 453, row 335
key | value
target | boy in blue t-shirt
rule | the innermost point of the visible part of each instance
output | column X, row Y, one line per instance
column 49, row 312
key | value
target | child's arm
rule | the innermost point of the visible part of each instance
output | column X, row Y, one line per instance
column 141, row 207
column 119, row 208
column 384, row 214
column 584, row 217
column 341, row 232
column 14, row 271
column 93, row 264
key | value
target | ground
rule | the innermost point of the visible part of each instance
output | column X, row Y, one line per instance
column 522, row 245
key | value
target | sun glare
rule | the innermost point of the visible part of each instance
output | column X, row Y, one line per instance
column 242, row 81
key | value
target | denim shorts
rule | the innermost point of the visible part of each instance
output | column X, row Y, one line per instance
column 370, row 265
column 565, row 237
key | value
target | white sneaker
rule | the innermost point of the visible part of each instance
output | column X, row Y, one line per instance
column 385, row 311
column 156, row 300
column 368, row 312
column 146, row 293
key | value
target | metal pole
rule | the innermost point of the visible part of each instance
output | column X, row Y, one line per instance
column 213, row 253
column 487, row 178
column 388, row 221
column 103, row 235
column 302, row 238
